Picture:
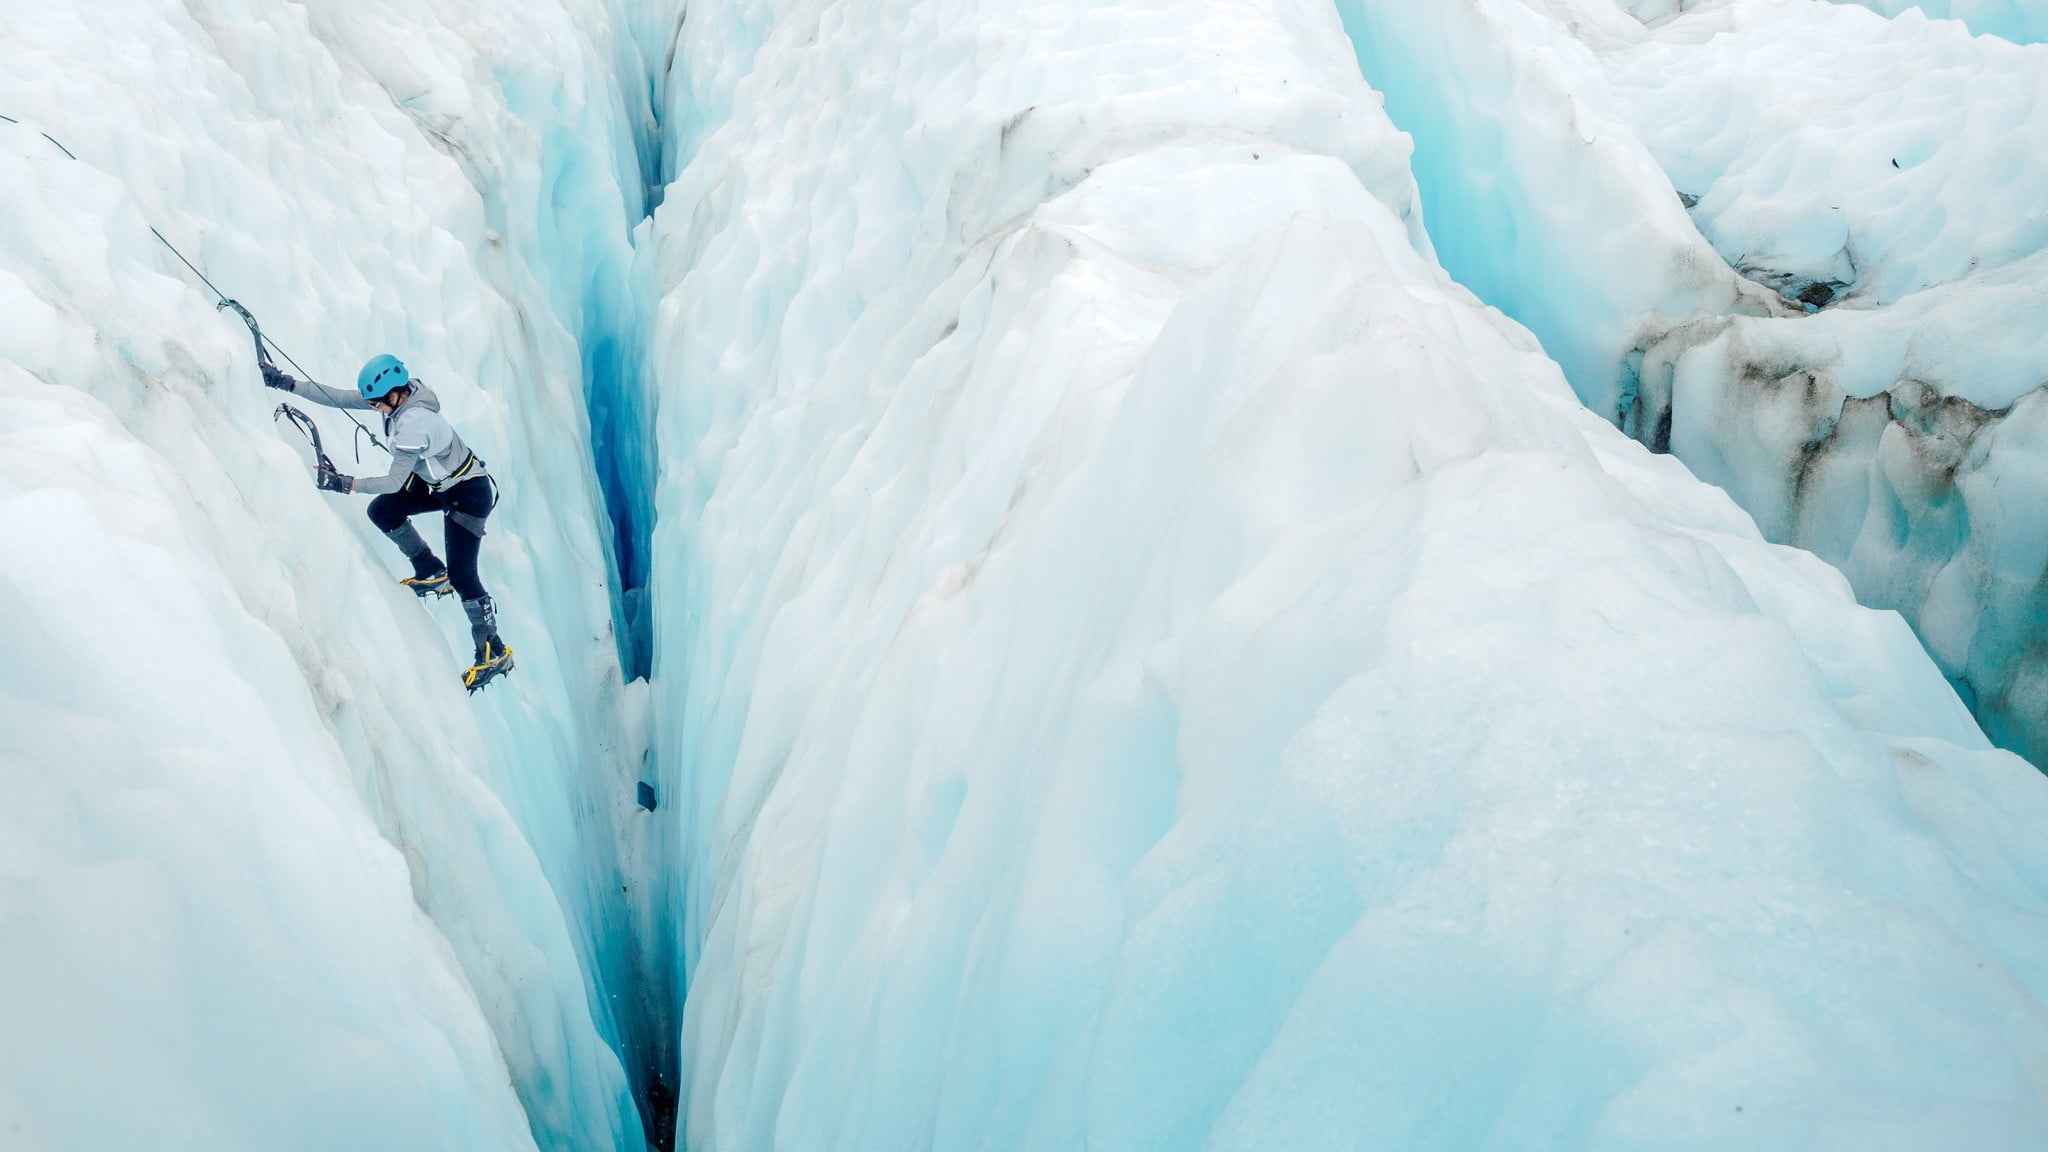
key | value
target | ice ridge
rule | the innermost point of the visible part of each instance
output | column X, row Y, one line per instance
column 1152, row 662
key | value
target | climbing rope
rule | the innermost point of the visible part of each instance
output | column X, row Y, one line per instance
column 299, row 419
column 45, row 135
column 263, row 355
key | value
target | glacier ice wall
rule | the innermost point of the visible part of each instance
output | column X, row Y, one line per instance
column 2020, row 21
column 1540, row 199
column 1152, row 662
column 1796, row 244
column 261, row 862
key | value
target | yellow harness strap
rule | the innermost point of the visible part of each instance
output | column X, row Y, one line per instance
column 467, row 463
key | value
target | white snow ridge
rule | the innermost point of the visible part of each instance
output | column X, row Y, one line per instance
column 1183, row 574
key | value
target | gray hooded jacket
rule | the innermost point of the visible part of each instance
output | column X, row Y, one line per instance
column 422, row 441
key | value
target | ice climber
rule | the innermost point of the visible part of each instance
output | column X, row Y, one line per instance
column 431, row 468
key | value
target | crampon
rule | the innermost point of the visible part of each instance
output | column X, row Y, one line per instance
column 425, row 586
column 492, row 662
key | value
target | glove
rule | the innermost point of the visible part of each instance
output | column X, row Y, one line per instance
column 274, row 377
column 327, row 479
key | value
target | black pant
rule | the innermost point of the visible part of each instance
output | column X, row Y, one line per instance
column 473, row 498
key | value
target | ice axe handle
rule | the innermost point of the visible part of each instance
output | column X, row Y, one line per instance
column 255, row 332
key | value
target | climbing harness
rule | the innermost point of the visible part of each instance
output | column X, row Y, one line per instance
column 456, row 477
column 474, row 525
column 298, row 418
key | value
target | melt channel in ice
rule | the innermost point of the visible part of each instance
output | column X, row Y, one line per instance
column 267, row 878
column 1151, row 662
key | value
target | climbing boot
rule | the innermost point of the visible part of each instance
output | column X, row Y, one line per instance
column 493, row 656
column 429, row 576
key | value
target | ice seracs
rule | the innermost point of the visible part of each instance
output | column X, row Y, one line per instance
column 1665, row 204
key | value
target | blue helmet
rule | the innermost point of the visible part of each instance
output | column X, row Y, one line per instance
column 380, row 376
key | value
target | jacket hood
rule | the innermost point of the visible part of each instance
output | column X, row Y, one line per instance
column 422, row 397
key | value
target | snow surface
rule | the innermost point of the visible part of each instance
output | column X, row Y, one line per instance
column 1888, row 171
column 267, row 879
column 1378, row 749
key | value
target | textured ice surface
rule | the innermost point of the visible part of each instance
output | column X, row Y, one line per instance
column 1143, row 658
column 1886, row 172
column 1898, row 168
column 1539, row 195
column 2023, row 21
column 267, row 879
column 1153, row 664
column 1875, row 159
